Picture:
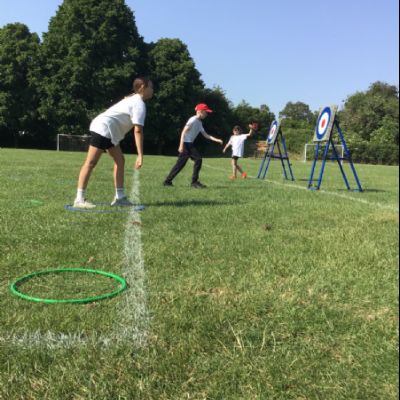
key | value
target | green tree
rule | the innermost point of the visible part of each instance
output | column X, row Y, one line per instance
column 297, row 122
column 297, row 115
column 18, row 100
column 374, row 114
column 177, row 87
column 245, row 114
column 90, row 55
column 388, row 132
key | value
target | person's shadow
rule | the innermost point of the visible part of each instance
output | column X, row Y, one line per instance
column 189, row 203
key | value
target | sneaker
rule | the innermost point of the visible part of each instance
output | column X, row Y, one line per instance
column 232, row 177
column 83, row 204
column 244, row 175
column 198, row 185
column 167, row 183
column 121, row 202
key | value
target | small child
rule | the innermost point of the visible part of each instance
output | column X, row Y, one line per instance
column 186, row 148
column 237, row 143
column 108, row 129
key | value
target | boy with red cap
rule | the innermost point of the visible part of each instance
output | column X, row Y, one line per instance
column 186, row 148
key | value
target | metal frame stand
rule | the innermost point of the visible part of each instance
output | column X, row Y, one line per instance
column 346, row 157
column 269, row 154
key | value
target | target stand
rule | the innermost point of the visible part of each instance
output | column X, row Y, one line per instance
column 276, row 140
column 324, row 130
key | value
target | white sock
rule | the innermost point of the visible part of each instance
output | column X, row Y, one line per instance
column 119, row 193
column 80, row 195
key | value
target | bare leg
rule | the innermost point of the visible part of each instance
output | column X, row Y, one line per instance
column 92, row 158
column 234, row 168
column 119, row 166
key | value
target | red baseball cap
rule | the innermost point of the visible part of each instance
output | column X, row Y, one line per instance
column 203, row 107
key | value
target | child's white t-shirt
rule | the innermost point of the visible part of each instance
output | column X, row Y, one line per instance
column 237, row 143
column 195, row 127
column 115, row 122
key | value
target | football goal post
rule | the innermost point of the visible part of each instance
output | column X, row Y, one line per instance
column 72, row 142
column 309, row 151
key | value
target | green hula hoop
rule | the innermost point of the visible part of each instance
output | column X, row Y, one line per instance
column 14, row 286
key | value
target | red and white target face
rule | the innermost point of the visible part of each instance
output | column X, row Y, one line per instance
column 323, row 123
column 272, row 132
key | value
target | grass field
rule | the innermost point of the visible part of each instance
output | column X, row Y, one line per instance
column 245, row 290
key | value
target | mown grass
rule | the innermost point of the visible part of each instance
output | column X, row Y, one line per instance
column 255, row 289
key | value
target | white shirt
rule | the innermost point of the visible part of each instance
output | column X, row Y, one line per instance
column 115, row 122
column 195, row 127
column 237, row 143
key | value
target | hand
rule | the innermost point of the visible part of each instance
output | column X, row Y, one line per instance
column 139, row 162
column 220, row 141
column 180, row 149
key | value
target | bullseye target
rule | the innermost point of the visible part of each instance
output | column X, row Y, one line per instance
column 273, row 132
column 324, row 124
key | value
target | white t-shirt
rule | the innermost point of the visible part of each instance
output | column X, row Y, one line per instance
column 195, row 127
column 237, row 143
column 115, row 122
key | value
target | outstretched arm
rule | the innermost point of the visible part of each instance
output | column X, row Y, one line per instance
column 214, row 139
column 138, row 133
column 226, row 147
column 251, row 131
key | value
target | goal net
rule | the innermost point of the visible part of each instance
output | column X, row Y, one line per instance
column 73, row 142
column 309, row 152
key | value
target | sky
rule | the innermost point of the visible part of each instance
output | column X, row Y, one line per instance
column 266, row 51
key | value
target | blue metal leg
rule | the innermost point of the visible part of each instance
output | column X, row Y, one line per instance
column 310, row 181
column 340, row 166
column 262, row 164
column 269, row 160
column 355, row 174
column 323, row 164
column 348, row 155
column 282, row 162
column 287, row 157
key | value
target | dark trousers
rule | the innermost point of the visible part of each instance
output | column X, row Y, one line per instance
column 189, row 151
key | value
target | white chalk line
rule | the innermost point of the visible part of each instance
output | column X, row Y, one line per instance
column 132, row 315
column 325, row 192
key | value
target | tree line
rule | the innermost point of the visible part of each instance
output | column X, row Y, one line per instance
column 91, row 53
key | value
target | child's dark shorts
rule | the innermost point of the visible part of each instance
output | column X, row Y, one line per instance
column 100, row 142
column 235, row 158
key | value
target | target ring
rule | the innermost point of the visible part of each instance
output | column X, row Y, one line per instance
column 323, row 124
column 273, row 131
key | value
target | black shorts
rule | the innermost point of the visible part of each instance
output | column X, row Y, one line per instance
column 100, row 142
column 235, row 158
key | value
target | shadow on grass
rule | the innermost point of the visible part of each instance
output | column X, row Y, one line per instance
column 376, row 190
column 190, row 203
column 365, row 190
column 370, row 190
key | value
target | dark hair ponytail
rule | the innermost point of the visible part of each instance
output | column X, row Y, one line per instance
column 139, row 82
